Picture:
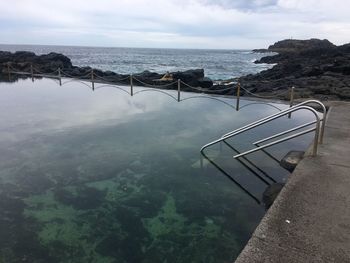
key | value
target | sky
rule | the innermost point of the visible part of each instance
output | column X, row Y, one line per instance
column 217, row 24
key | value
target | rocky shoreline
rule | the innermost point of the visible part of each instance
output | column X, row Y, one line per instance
column 23, row 61
column 316, row 68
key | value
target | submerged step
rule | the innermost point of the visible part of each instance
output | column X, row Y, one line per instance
column 291, row 160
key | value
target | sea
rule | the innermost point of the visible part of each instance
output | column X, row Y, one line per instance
column 217, row 64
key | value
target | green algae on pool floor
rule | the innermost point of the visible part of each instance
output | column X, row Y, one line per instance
column 131, row 219
column 103, row 177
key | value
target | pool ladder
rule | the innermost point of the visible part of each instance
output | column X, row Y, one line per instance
column 318, row 129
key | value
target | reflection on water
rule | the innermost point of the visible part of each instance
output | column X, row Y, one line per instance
column 104, row 177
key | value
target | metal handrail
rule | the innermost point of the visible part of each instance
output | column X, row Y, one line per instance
column 296, row 128
column 324, row 112
column 284, row 132
column 268, row 119
column 300, row 104
column 282, row 140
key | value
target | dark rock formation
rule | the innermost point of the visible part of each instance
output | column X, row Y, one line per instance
column 22, row 61
column 193, row 77
column 49, row 61
column 317, row 68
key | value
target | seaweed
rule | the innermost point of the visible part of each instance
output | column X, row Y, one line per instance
column 18, row 239
column 84, row 198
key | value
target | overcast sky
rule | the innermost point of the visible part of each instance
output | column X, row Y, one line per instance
column 172, row 23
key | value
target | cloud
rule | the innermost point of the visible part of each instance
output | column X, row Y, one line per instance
column 172, row 23
column 255, row 5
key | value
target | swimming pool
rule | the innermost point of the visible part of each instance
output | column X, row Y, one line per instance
column 105, row 177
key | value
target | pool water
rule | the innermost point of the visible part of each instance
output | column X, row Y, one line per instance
column 102, row 176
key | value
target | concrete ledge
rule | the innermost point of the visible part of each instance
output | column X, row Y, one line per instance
column 310, row 219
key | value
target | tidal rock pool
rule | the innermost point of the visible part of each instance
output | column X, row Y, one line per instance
column 102, row 176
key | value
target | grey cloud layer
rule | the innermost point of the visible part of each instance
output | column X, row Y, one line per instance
column 173, row 23
column 243, row 4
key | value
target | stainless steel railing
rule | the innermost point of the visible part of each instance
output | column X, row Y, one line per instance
column 307, row 102
column 319, row 129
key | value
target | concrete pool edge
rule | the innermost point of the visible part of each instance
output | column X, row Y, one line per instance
column 309, row 221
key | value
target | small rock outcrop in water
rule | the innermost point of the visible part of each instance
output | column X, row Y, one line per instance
column 291, row 160
column 22, row 61
column 317, row 68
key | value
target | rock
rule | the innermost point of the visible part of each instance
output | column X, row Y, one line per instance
column 147, row 75
column 205, row 82
column 23, row 56
column 345, row 48
column 22, row 61
column 190, row 77
column 109, row 73
column 76, row 72
column 5, row 56
column 98, row 72
column 270, row 194
column 224, row 88
column 193, row 77
column 261, row 50
column 55, row 60
column 291, row 160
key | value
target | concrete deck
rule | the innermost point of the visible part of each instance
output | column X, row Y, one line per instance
column 310, row 219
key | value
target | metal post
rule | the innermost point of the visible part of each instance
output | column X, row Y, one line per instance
column 59, row 76
column 178, row 89
column 92, row 79
column 316, row 138
column 131, row 85
column 238, row 95
column 291, row 100
column 32, row 72
column 201, row 161
column 8, row 71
